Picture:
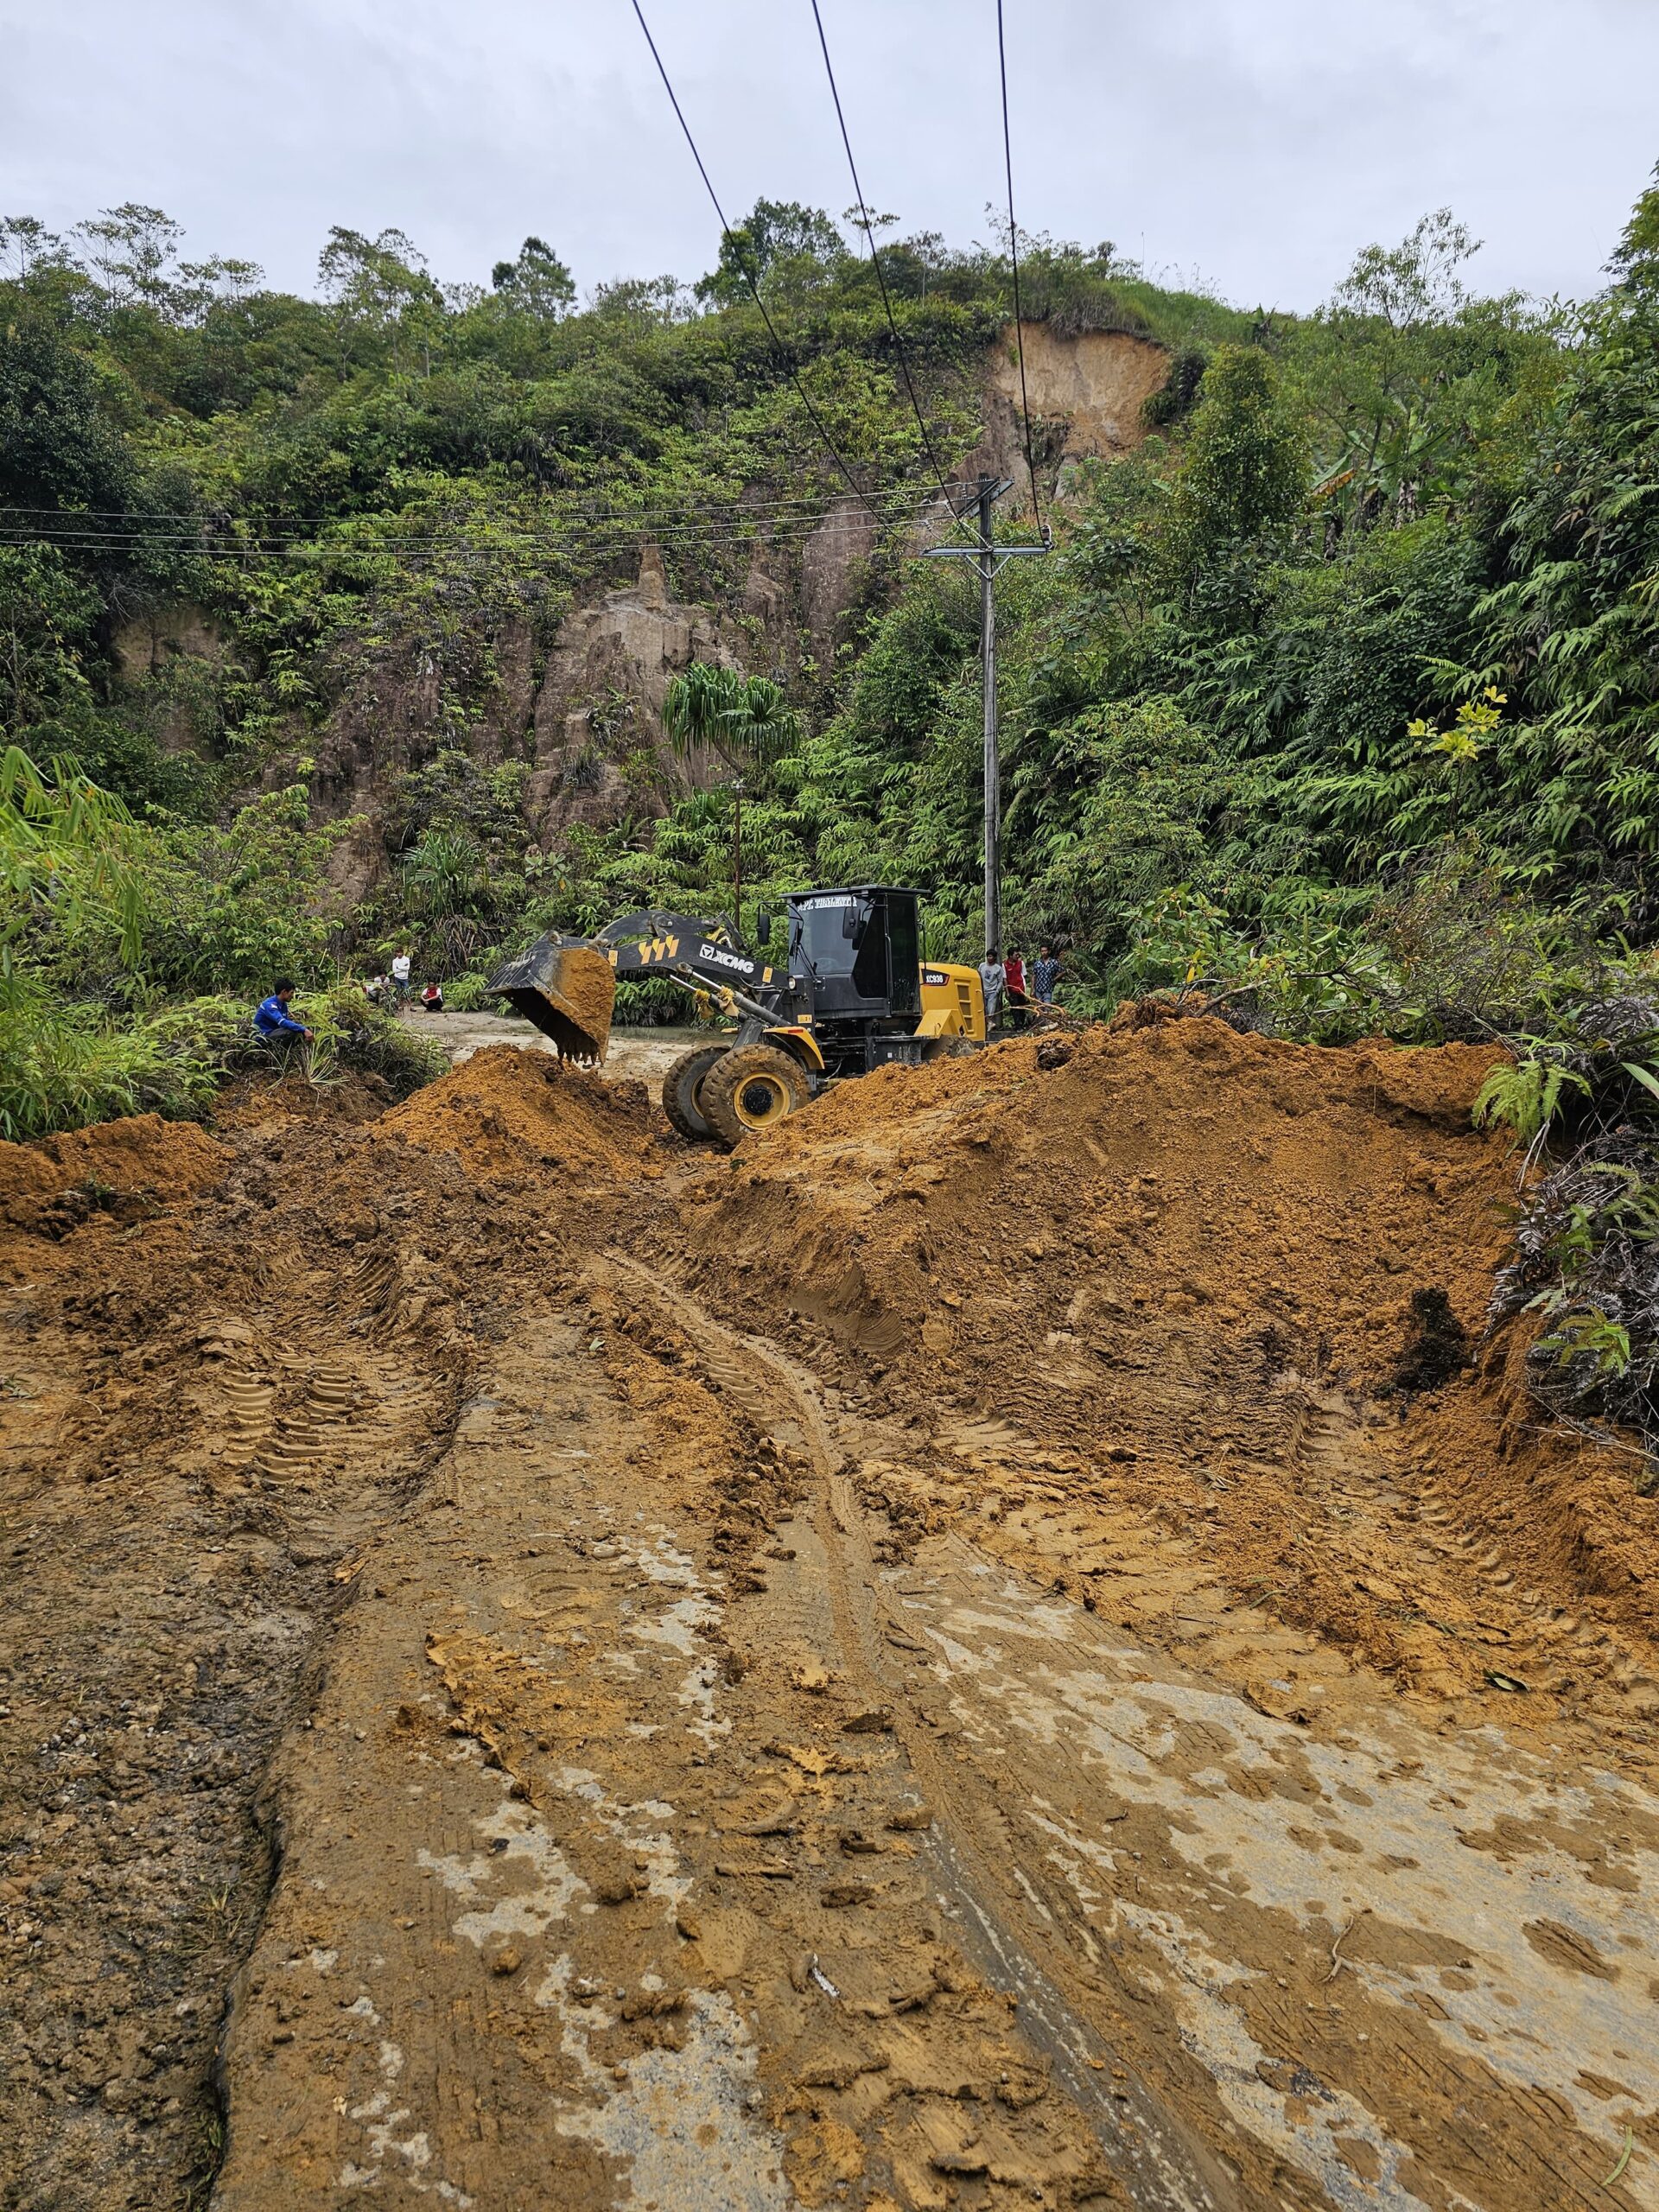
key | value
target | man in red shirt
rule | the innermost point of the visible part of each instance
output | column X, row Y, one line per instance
column 1013, row 969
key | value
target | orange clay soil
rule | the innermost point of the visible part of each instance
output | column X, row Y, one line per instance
column 1167, row 1271
column 165, row 1161
column 507, row 1111
column 1012, row 1643
column 586, row 992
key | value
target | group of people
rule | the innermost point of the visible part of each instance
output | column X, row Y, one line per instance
column 1013, row 986
column 394, row 989
column 275, row 1022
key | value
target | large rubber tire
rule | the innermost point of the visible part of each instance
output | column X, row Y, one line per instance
column 681, row 1089
column 750, row 1090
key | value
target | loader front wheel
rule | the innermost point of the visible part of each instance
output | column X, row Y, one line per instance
column 682, row 1092
column 750, row 1088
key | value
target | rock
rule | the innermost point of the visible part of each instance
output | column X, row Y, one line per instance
column 911, row 1817
column 837, row 1895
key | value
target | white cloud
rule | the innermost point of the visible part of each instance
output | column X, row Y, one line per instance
column 1257, row 142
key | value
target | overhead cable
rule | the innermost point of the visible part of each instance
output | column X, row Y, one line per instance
column 876, row 262
column 725, row 232
column 1013, row 255
column 603, row 543
column 68, row 529
column 737, row 503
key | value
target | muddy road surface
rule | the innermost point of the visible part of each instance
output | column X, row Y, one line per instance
column 998, row 1649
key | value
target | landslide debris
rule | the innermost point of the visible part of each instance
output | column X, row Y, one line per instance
column 1228, row 1292
column 1183, row 1326
column 228, row 1360
column 133, row 1165
column 507, row 1111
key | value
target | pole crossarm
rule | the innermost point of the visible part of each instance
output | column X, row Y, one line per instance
column 976, row 553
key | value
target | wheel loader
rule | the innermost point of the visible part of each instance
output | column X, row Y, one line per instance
column 852, row 993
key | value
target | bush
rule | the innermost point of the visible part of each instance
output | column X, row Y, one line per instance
column 358, row 1039
column 63, row 1066
column 468, row 993
column 352, row 1037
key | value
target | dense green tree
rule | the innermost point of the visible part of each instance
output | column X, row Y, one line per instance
column 1244, row 475
column 538, row 282
column 779, row 246
column 59, row 446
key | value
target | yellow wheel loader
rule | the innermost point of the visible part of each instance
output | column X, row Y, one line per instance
column 853, row 994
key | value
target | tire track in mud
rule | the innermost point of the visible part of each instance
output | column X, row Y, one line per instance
column 1163, row 2166
column 1372, row 1981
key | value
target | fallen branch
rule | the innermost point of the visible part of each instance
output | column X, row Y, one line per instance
column 1338, row 1963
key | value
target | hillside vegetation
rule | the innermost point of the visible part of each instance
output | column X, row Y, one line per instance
column 1340, row 691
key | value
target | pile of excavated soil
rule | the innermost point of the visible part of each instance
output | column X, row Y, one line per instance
column 1018, row 1214
column 509, row 1108
column 1164, row 1274
column 139, row 1164
column 255, row 1102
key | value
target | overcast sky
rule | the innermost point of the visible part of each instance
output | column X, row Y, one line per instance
column 1253, row 144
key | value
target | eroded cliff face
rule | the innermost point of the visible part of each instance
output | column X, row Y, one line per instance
column 595, row 733
column 585, row 712
column 1086, row 395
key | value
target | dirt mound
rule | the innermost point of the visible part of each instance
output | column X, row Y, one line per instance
column 127, row 1168
column 251, row 1101
column 1020, row 1210
column 144, row 1153
column 507, row 1108
column 1209, row 1287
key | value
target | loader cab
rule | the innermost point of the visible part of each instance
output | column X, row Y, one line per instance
column 856, row 955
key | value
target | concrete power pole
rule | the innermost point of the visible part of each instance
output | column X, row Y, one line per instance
column 993, row 762
column 987, row 558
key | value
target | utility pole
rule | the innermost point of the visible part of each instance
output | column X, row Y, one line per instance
column 737, row 855
column 992, row 761
column 987, row 557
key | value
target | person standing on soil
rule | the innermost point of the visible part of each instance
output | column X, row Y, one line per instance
column 273, row 1021
column 991, row 974
column 401, row 966
column 1045, row 976
column 1013, row 984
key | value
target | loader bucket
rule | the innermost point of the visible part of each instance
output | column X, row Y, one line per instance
column 568, row 989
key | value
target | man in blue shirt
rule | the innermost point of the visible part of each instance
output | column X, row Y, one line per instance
column 1045, row 974
column 273, row 1021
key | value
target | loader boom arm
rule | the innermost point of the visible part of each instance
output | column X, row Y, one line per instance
column 567, row 985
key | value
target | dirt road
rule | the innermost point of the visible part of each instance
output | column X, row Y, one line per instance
column 643, row 1055
column 553, row 1672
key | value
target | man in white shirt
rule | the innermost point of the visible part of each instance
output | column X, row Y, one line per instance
column 993, row 974
column 400, row 973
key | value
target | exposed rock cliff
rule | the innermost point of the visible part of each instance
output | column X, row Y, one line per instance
column 1086, row 394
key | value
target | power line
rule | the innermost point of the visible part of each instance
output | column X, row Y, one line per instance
column 69, row 529
column 739, row 503
column 725, row 232
column 1013, row 255
column 733, row 529
column 875, row 258
column 411, row 551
